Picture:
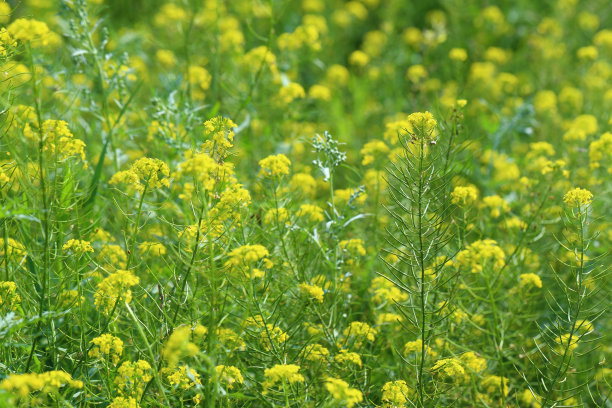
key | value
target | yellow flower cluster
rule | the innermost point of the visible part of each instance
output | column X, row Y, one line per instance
column 282, row 373
column 114, row 288
column 450, row 368
column 152, row 248
column 353, row 246
column 481, row 253
column 78, row 246
column 373, row 150
column 48, row 382
column 113, row 255
column 245, row 257
column 203, row 169
column 144, row 173
column 360, row 331
column 383, row 290
column 530, row 280
column 601, row 149
column 578, row 197
column 347, row 357
column 34, row 31
column 179, row 345
column 313, row 212
column 199, row 81
column 416, row 346
column 58, row 139
column 316, row 353
column 473, row 362
column 219, row 132
column 496, row 204
column 290, row 92
column 123, row 402
column 132, row 377
column 306, row 35
column 395, row 394
column 464, row 196
column 421, row 124
column 183, row 377
column 494, row 385
column 341, row 392
column 229, row 376
column 11, row 248
column 312, row 291
column 276, row 216
column 107, row 347
column 275, row 166
column 9, row 298
column 566, row 341
column 270, row 336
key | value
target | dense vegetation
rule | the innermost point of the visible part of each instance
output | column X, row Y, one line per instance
column 305, row 203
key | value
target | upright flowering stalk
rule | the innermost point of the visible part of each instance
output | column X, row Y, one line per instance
column 419, row 188
column 565, row 340
column 144, row 175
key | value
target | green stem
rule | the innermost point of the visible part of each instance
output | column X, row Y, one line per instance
column 150, row 352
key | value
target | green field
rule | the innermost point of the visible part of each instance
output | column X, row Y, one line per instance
column 305, row 203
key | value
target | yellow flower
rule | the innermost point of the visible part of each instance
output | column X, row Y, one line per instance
column 107, row 347
column 8, row 296
column 473, row 361
column 114, row 288
column 458, row 54
column 145, row 172
column 183, row 377
column 416, row 346
column 480, row 253
column 530, row 280
column 304, row 183
column 58, row 139
column 563, row 342
column 276, row 216
column 320, row 92
column 353, row 246
column 361, row 331
column 450, row 368
column 153, row 248
column 312, row 291
column 245, row 257
column 179, row 345
column 359, row 58
column 346, row 357
column 78, row 246
column 316, row 353
column 228, row 375
column 282, row 373
column 383, row 290
column 275, row 166
column 290, row 92
column 494, row 385
column 497, row 205
column 341, row 392
column 48, row 382
column 373, row 150
column 123, row 402
column 220, row 134
column 464, row 196
column 33, row 31
column 132, row 377
column 578, row 197
column 395, row 394
column 313, row 212
column 199, row 79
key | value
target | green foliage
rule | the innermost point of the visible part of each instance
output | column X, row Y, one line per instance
column 305, row 203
